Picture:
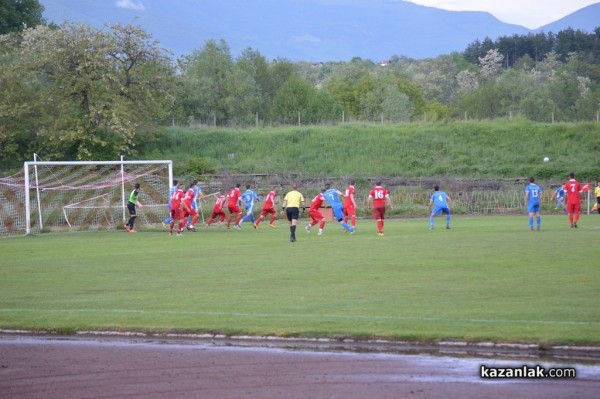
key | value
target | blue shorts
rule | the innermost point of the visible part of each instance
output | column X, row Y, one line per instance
column 338, row 213
column 533, row 208
column 439, row 209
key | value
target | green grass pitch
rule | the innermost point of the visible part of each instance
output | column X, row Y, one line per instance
column 488, row 278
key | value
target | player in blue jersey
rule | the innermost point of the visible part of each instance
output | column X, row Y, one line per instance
column 250, row 198
column 533, row 192
column 332, row 196
column 559, row 193
column 168, row 220
column 439, row 203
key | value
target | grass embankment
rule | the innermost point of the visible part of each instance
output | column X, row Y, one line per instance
column 469, row 149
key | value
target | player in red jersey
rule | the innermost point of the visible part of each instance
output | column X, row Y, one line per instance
column 268, row 209
column 176, row 211
column 379, row 195
column 315, row 214
column 233, row 206
column 217, row 211
column 350, row 205
column 189, row 210
column 572, row 190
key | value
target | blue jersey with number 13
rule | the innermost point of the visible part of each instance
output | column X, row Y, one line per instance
column 533, row 194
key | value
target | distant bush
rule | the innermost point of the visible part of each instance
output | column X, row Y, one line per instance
column 197, row 166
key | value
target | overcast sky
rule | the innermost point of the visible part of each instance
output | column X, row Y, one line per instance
column 529, row 13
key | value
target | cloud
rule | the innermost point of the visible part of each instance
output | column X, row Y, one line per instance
column 304, row 38
column 130, row 4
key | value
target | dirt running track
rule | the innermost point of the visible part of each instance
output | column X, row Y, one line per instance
column 33, row 367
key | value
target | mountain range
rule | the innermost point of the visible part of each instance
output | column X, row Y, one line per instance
column 307, row 30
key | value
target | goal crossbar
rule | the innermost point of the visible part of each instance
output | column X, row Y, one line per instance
column 115, row 176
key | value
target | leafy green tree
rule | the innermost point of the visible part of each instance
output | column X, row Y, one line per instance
column 281, row 71
column 538, row 106
column 258, row 69
column 511, row 88
column 17, row 15
column 565, row 90
column 491, row 64
column 204, row 83
column 91, row 91
column 546, row 69
column 348, row 92
column 343, row 92
column 144, row 74
column 436, row 77
column 437, row 112
column 415, row 95
column 386, row 102
column 480, row 104
column 468, row 82
column 17, row 107
column 325, row 108
column 243, row 99
column 396, row 106
column 477, row 50
column 292, row 100
column 298, row 101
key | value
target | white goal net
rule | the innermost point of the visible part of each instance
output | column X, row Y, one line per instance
column 72, row 196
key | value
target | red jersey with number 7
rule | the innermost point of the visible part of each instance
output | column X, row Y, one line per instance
column 572, row 188
column 379, row 195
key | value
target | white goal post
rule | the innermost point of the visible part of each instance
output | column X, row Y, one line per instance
column 83, row 195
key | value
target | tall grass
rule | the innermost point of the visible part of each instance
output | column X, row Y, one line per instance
column 463, row 149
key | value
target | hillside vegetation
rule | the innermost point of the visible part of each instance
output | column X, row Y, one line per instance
column 74, row 92
column 462, row 150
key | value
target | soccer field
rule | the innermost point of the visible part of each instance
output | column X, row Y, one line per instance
column 488, row 278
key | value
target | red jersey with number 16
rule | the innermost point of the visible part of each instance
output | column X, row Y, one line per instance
column 379, row 194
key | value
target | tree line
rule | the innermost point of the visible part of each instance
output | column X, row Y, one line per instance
column 535, row 46
column 76, row 92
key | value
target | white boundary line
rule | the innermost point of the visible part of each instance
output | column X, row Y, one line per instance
column 300, row 315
